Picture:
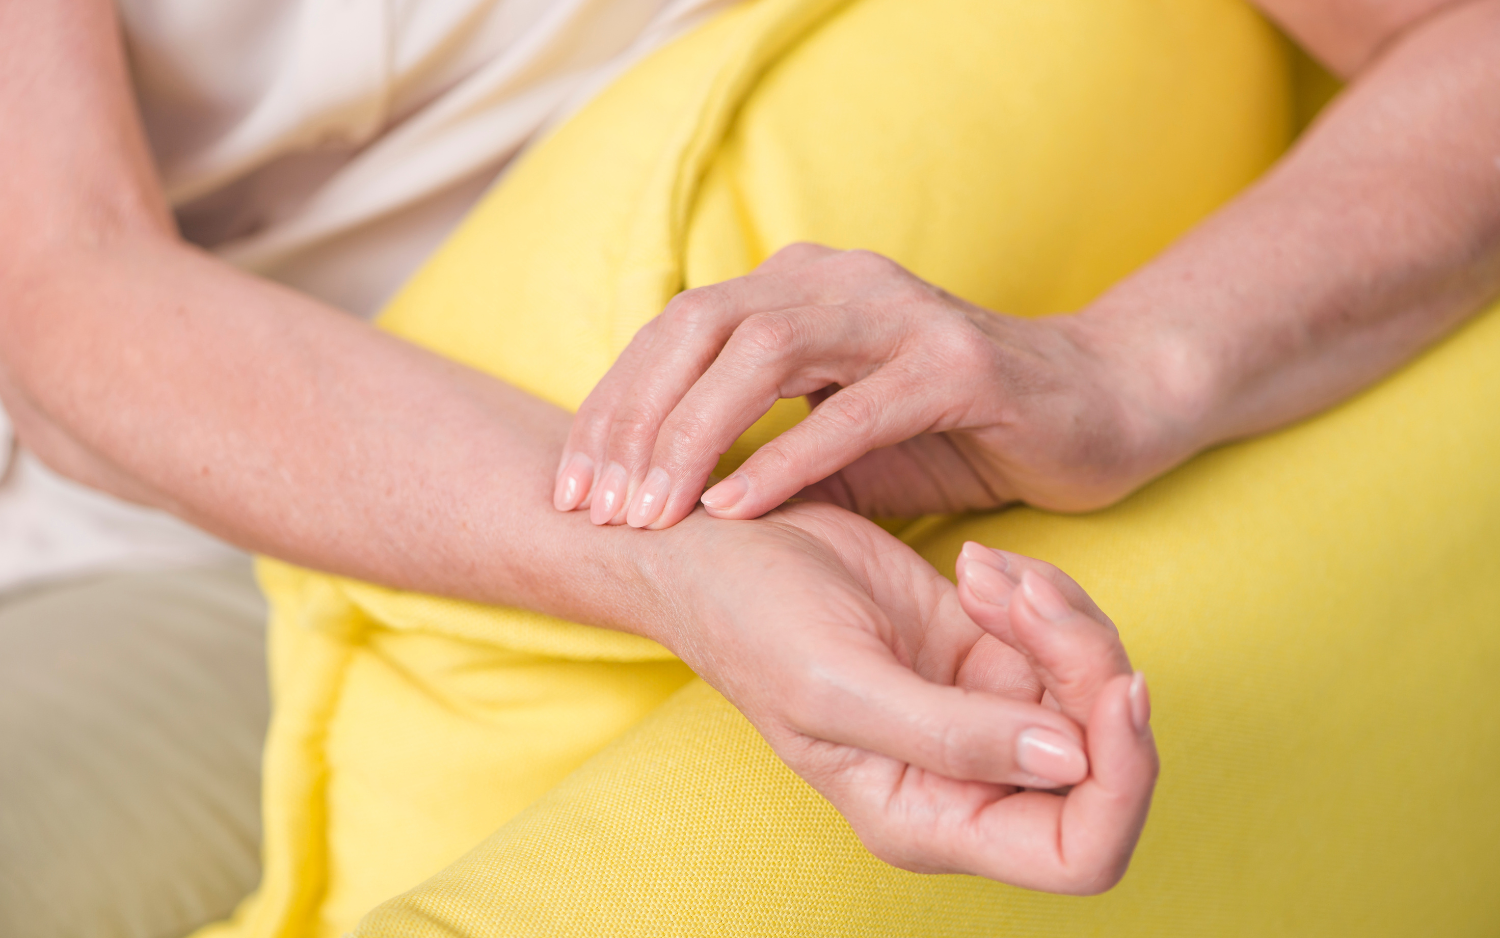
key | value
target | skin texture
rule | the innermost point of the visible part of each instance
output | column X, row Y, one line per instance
column 136, row 363
column 1375, row 236
column 141, row 365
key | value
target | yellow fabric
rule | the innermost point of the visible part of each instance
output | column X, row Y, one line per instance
column 1317, row 610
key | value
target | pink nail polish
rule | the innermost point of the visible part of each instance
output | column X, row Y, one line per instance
column 649, row 501
column 1140, row 703
column 726, row 494
column 978, row 553
column 1044, row 597
column 610, row 494
column 1051, row 757
column 573, row 482
column 988, row 584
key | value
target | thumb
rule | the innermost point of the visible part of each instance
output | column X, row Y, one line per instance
column 1073, row 647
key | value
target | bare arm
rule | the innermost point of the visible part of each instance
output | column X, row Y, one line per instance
column 1377, row 234
column 138, row 364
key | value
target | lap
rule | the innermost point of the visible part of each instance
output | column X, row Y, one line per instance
column 1315, row 611
column 1106, row 147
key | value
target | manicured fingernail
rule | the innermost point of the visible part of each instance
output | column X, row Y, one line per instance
column 1140, row 703
column 1050, row 756
column 988, row 584
column 572, row 482
column 609, row 495
column 726, row 494
column 1044, row 597
column 650, row 499
column 977, row 552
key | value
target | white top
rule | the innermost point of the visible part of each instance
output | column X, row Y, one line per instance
column 329, row 145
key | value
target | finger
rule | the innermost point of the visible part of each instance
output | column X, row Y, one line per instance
column 661, row 361
column 1079, row 844
column 883, row 409
column 874, row 703
column 623, row 415
column 1075, row 594
column 996, row 668
column 579, row 466
column 1075, row 653
column 1013, row 565
column 1103, row 817
column 782, row 354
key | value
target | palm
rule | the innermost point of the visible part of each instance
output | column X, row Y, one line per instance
column 872, row 649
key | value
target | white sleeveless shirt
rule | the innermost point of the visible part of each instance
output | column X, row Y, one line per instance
column 329, row 145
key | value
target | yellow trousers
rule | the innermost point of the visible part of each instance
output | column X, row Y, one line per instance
column 1318, row 610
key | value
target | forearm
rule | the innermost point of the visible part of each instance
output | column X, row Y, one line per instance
column 1375, row 236
column 154, row 371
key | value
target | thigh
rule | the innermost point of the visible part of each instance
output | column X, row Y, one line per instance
column 133, row 709
column 1316, row 611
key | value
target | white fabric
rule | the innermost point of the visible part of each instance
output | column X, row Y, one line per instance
column 329, row 145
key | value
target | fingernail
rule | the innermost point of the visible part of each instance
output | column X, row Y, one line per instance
column 1044, row 597
column 572, row 482
column 988, row 584
column 650, row 499
column 610, row 494
column 1140, row 703
column 726, row 494
column 977, row 552
column 1050, row 756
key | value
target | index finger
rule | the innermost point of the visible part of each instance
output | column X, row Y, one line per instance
column 618, row 422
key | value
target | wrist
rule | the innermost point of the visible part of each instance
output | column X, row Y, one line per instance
column 668, row 566
column 1157, row 373
column 623, row 578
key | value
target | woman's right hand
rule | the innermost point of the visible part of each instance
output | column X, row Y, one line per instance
column 995, row 728
column 924, row 402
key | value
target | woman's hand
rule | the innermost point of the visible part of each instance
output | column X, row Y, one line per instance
column 1357, row 250
column 938, row 720
column 923, row 402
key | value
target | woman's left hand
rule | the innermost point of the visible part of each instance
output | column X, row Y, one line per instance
column 923, row 402
column 995, row 728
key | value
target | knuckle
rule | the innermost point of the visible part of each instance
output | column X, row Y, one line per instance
column 766, row 336
column 632, row 427
column 963, row 349
column 798, row 251
column 849, row 414
column 871, row 264
column 592, row 425
column 681, row 437
column 1075, row 680
column 1093, row 879
column 691, row 310
column 771, row 461
column 958, row 753
column 643, row 335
